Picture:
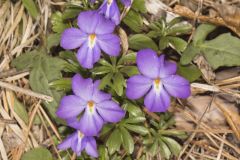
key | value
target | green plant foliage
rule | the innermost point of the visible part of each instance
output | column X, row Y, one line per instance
column 44, row 70
column 190, row 72
column 31, row 8
column 133, row 19
column 37, row 154
column 141, row 41
column 58, row 24
column 163, row 140
column 220, row 51
column 139, row 6
column 120, row 134
column 169, row 33
column 113, row 72
column 53, row 40
column 62, row 85
column 20, row 110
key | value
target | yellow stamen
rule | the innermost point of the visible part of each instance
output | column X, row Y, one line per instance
column 90, row 104
column 157, row 82
column 92, row 38
column 80, row 134
column 109, row 1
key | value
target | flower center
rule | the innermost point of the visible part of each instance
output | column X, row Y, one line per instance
column 91, row 40
column 109, row 1
column 80, row 134
column 157, row 83
column 90, row 105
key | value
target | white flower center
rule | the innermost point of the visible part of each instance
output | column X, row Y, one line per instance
column 91, row 106
column 109, row 2
column 92, row 40
column 80, row 134
column 157, row 84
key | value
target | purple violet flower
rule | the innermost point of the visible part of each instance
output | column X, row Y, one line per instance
column 78, row 142
column 158, row 81
column 96, row 107
column 111, row 11
column 95, row 33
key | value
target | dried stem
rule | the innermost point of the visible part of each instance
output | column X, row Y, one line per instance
column 25, row 91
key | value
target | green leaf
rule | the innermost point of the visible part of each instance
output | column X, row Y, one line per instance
column 174, row 21
column 190, row 72
column 141, row 41
column 128, row 58
column 47, row 69
column 135, row 120
column 53, row 40
column 173, row 133
column 71, row 12
column 134, row 21
column 128, row 143
column 139, row 5
column 104, row 62
column 138, row 129
column 31, row 7
column 58, row 24
column 20, row 110
column 106, row 129
column 68, row 55
column 26, row 60
column 177, row 43
column 163, row 43
column 154, row 34
column 106, row 80
column 164, row 150
column 118, row 83
column 153, row 149
column 37, row 154
column 61, row 84
column 114, row 141
column 129, row 70
column 188, row 54
column 179, row 29
column 101, row 70
column 222, row 51
column 103, row 153
column 201, row 33
column 174, row 146
column 133, row 109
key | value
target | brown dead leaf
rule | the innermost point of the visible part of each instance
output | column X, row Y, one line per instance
column 124, row 40
column 228, row 73
column 214, row 117
column 232, row 117
column 206, row 69
column 186, row 12
column 230, row 14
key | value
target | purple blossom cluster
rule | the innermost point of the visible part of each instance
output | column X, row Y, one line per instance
column 89, row 108
column 95, row 108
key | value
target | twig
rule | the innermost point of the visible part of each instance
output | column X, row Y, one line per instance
column 221, row 149
column 11, row 72
column 197, row 127
column 151, row 114
column 205, row 87
column 8, row 121
column 49, row 135
column 25, row 91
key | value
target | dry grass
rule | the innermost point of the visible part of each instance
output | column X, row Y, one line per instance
column 20, row 32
